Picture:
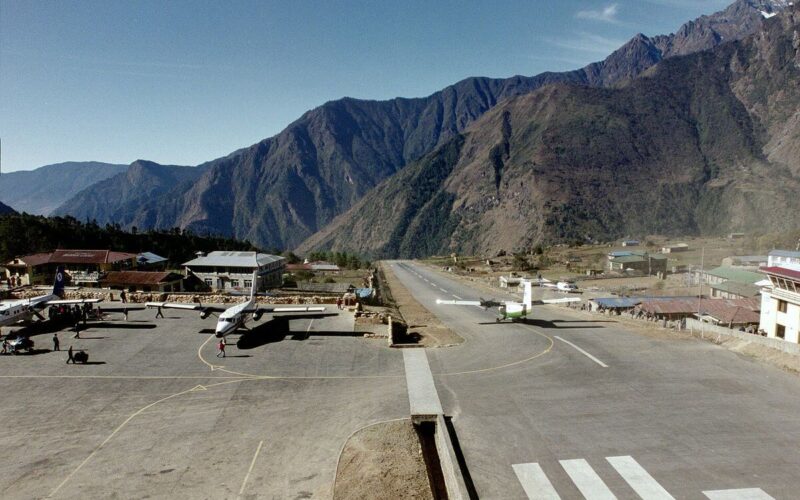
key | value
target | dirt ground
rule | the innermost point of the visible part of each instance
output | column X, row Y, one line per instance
column 431, row 331
column 383, row 461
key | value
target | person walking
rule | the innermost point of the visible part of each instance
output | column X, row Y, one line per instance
column 338, row 302
column 5, row 347
column 159, row 313
column 56, row 344
column 69, row 356
column 123, row 297
column 221, row 348
column 77, row 328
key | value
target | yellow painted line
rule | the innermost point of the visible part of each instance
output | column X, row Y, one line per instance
column 252, row 464
column 122, row 425
column 508, row 365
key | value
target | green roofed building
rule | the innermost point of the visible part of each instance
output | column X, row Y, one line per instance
column 648, row 264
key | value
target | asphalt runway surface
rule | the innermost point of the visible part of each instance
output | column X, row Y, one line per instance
column 155, row 414
column 572, row 404
column 566, row 405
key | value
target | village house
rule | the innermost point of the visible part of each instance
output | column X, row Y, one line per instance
column 233, row 271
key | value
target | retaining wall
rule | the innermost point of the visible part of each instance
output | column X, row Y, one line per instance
column 704, row 329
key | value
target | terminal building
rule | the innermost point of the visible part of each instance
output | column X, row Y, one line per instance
column 83, row 267
column 233, row 271
column 780, row 303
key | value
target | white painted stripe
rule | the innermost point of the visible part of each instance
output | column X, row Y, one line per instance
column 638, row 478
column 250, row 470
column 587, row 480
column 583, row 352
column 534, row 482
column 742, row 494
column 457, row 297
column 422, row 396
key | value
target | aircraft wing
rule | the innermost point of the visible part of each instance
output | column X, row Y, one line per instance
column 555, row 301
column 70, row 302
column 293, row 309
column 119, row 309
column 188, row 307
column 460, row 302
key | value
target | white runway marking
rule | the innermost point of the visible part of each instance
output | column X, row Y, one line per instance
column 742, row 494
column 456, row 297
column 638, row 478
column 534, row 482
column 587, row 480
column 582, row 352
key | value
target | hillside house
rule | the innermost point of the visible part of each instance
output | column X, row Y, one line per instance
column 647, row 264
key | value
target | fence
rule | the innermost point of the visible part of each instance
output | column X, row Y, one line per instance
column 708, row 329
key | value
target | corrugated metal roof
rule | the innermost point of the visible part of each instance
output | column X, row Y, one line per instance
column 140, row 277
column 739, row 275
column 67, row 256
column 783, row 272
column 722, row 309
column 150, row 258
column 785, row 253
column 233, row 259
column 743, row 289
column 36, row 259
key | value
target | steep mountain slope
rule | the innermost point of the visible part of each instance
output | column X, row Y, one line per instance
column 704, row 143
column 5, row 209
column 129, row 198
column 283, row 189
column 42, row 190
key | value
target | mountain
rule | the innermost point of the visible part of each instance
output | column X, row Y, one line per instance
column 130, row 197
column 283, row 189
column 705, row 143
column 40, row 191
column 5, row 209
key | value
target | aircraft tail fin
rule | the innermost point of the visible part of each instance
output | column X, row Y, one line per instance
column 58, row 283
column 527, row 295
column 254, row 286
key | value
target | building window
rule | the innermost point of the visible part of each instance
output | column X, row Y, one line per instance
column 781, row 306
column 235, row 283
column 248, row 283
column 780, row 331
column 209, row 282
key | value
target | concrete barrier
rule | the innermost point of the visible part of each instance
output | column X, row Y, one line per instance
column 705, row 329
column 451, row 471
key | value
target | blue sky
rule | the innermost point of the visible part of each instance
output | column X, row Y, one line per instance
column 183, row 82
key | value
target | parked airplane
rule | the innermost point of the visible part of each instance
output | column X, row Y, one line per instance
column 511, row 310
column 234, row 317
column 24, row 310
column 561, row 286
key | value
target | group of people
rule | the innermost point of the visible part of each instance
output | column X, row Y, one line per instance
column 13, row 281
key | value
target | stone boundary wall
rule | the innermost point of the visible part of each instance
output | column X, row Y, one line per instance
column 708, row 330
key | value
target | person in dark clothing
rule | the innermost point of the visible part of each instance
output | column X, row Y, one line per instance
column 56, row 344
column 122, row 297
column 159, row 313
column 69, row 356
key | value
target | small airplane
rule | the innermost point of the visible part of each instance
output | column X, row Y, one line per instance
column 561, row 286
column 237, row 316
column 24, row 310
column 511, row 310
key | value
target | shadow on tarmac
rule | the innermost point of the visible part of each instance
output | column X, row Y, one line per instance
column 543, row 323
column 277, row 330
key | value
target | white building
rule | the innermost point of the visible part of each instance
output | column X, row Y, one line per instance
column 783, row 258
column 229, row 271
column 780, row 303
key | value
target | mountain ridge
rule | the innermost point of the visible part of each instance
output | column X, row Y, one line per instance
column 280, row 191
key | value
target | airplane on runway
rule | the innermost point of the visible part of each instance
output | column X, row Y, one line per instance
column 24, row 310
column 237, row 316
column 511, row 310
column 561, row 286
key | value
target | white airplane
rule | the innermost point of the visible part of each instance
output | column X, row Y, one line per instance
column 234, row 317
column 561, row 286
column 23, row 310
column 511, row 310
